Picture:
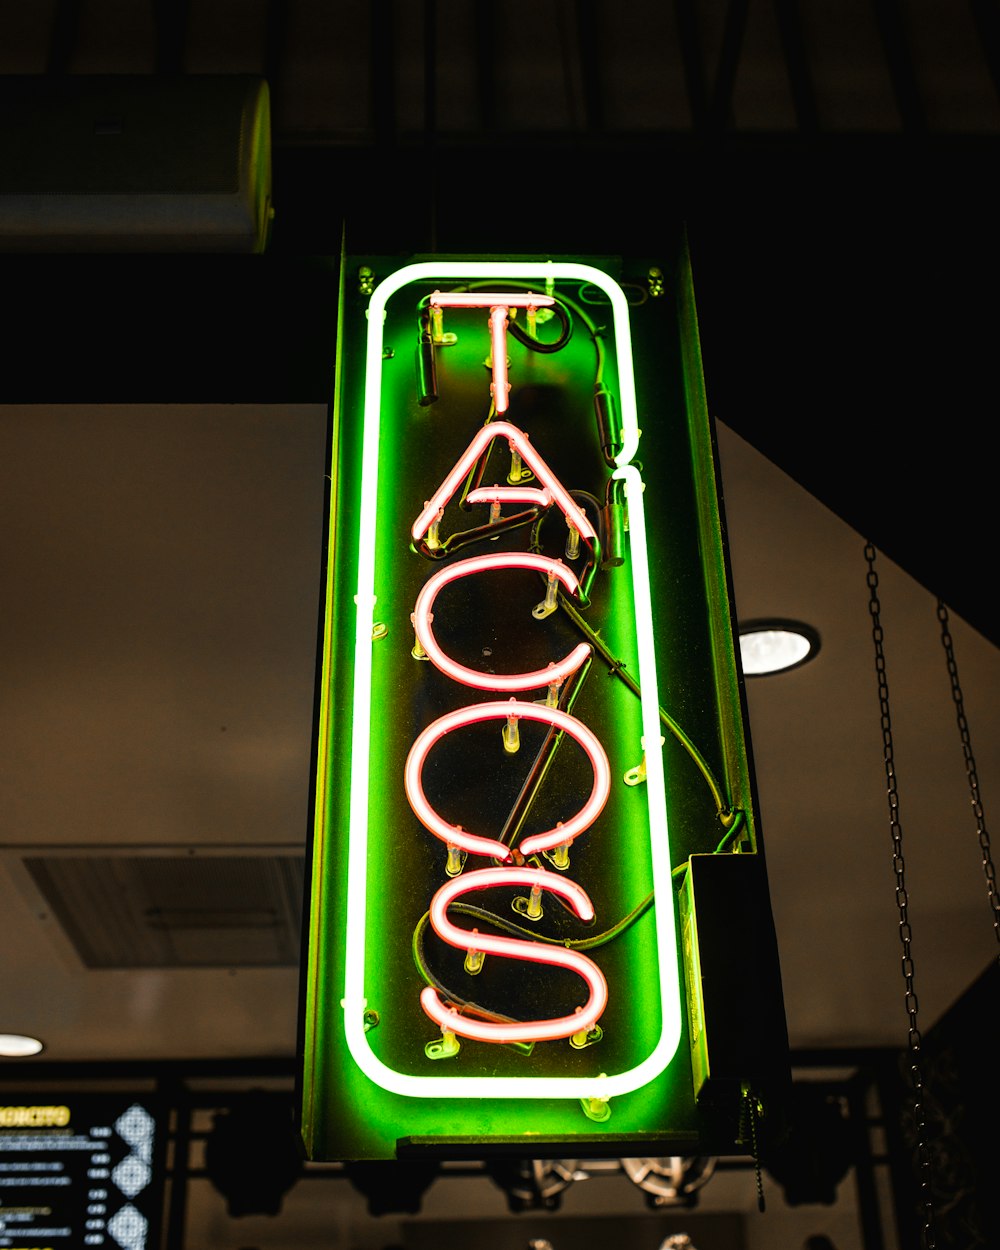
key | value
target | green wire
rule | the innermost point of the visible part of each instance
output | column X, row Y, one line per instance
column 727, row 814
column 739, row 819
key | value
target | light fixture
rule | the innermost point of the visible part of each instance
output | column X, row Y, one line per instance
column 774, row 646
column 639, row 1068
column 17, row 1046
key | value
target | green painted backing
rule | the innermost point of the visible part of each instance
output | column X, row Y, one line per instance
column 344, row 1115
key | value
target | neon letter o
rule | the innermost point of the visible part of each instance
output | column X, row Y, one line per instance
column 454, row 835
column 555, row 673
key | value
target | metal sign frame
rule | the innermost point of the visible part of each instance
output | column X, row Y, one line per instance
column 530, row 713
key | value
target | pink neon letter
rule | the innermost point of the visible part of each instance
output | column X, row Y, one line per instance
column 498, row 305
column 423, row 615
column 514, row 948
column 454, row 835
column 520, row 442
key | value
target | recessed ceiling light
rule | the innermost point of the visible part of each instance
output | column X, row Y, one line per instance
column 16, row 1046
column 776, row 646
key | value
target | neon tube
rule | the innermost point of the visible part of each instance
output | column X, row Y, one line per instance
column 584, row 1018
column 354, row 1002
column 509, row 494
column 498, row 306
column 454, row 835
column 520, row 442
column 490, row 299
column 498, row 353
column 423, row 615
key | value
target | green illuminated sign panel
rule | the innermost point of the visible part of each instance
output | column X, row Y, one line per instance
column 529, row 712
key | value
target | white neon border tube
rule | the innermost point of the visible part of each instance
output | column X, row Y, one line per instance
column 600, row 1085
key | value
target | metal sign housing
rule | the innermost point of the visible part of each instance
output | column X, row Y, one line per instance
column 530, row 712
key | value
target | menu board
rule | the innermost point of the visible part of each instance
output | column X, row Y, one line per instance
column 80, row 1170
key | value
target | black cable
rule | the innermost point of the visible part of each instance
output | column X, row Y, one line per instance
column 617, row 668
column 543, row 759
column 542, row 345
column 510, row 926
column 596, row 333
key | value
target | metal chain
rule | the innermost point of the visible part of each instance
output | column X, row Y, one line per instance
column 902, row 903
column 750, row 1109
column 755, row 1109
column 970, row 769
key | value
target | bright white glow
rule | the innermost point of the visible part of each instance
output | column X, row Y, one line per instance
column 596, row 1085
column 771, row 650
column 455, row 835
column 17, row 1046
column 584, row 1017
column 520, row 442
column 423, row 615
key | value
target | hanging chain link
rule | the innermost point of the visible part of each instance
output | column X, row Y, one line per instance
column 902, row 903
column 970, row 769
column 751, row 1110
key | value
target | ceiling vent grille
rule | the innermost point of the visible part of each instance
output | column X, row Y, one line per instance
column 176, row 912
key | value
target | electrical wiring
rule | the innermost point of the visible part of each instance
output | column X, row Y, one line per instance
column 542, row 345
column 726, row 841
column 542, row 761
column 604, row 406
column 635, row 295
column 464, row 538
column 436, row 983
column 595, row 331
column 485, row 916
column 595, row 545
column 729, row 817
column 725, row 811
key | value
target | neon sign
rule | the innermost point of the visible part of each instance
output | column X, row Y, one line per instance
column 493, row 916
column 597, row 1083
